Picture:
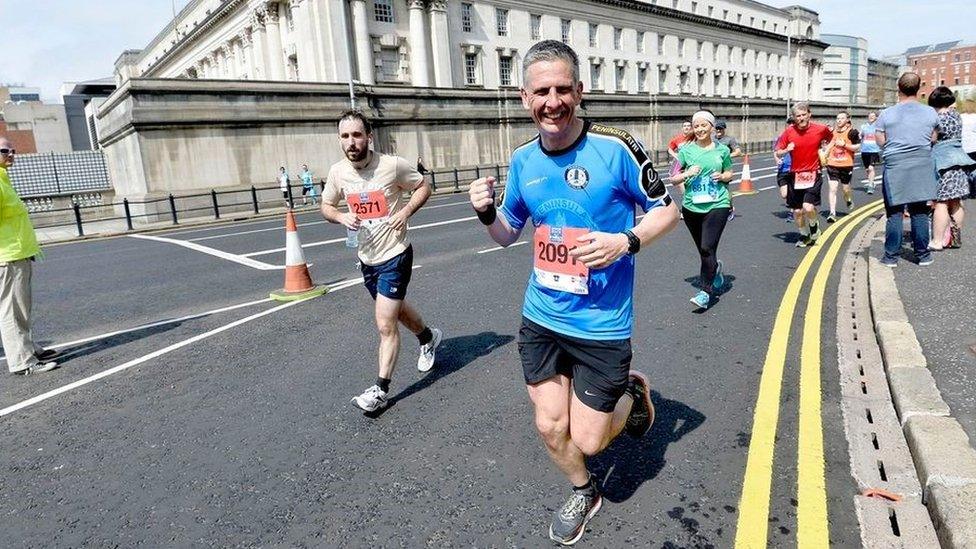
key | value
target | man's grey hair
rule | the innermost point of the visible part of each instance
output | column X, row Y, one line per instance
column 551, row 50
column 801, row 106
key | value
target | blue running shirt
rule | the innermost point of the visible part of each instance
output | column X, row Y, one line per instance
column 593, row 185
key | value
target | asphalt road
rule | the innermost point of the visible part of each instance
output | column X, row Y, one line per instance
column 244, row 436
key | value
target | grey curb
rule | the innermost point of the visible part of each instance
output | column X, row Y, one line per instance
column 942, row 452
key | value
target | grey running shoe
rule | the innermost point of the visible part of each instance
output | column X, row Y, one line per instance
column 428, row 352
column 48, row 354
column 570, row 520
column 38, row 368
column 642, row 412
column 371, row 400
column 804, row 242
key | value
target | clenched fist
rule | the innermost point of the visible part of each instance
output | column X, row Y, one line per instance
column 482, row 193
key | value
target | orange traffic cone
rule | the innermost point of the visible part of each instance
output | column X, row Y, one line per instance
column 298, row 281
column 745, row 185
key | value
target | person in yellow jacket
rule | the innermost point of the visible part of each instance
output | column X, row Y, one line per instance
column 18, row 247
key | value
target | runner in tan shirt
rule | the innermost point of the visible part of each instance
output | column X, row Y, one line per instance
column 373, row 186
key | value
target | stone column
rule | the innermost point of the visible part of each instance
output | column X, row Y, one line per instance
column 226, row 62
column 418, row 45
column 214, row 71
column 259, row 37
column 247, row 51
column 364, row 45
column 440, row 44
column 304, row 45
column 274, row 53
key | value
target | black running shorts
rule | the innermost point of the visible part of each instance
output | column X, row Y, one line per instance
column 840, row 174
column 795, row 198
column 599, row 369
column 784, row 179
column 870, row 159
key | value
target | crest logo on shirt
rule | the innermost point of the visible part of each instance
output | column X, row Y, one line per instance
column 364, row 197
column 577, row 177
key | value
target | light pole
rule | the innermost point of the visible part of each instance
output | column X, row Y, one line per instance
column 789, row 82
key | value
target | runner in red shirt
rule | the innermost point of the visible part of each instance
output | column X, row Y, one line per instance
column 686, row 136
column 803, row 141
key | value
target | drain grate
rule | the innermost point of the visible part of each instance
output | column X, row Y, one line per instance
column 888, row 500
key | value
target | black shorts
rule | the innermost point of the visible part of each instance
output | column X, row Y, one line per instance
column 784, row 179
column 391, row 277
column 870, row 159
column 796, row 198
column 840, row 174
column 599, row 369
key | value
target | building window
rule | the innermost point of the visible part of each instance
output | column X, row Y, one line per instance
column 716, row 82
column 505, row 70
column 564, row 28
column 471, row 69
column 710, row 10
column 683, row 83
column 715, row 52
column 662, row 81
column 660, row 45
column 642, row 80
column 738, row 18
column 957, row 81
column 674, row 4
column 694, row 7
column 775, row 27
column 595, row 76
column 640, row 42
column 617, row 38
column 535, row 23
column 681, row 47
column 763, row 24
column 501, row 21
column 621, row 82
column 752, row 21
column 593, row 31
column 701, row 51
column 383, row 11
column 955, row 57
column 725, row 15
column 466, row 10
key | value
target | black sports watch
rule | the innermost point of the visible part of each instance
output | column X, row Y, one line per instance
column 633, row 243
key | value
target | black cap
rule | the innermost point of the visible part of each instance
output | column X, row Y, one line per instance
column 720, row 125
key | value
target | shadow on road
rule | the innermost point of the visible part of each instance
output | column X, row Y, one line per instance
column 452, row 355
column 629, row 463
column 91, row 347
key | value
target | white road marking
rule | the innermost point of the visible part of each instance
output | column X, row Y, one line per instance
column 168, row 349
column 343, row 239
column 497, row 248
column 154, row 324
column 145, row 358
column 239, row 259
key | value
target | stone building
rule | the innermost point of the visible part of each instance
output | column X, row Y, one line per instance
column 845, row 73
column 882, row 82
column 715, row 48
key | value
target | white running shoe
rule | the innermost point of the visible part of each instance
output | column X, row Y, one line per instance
column 429, row 351
column 371, row 400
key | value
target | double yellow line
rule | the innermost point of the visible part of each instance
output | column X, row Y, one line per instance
column 812, row 528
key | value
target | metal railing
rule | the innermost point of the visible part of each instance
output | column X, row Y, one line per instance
column 53, row 174
column 250, row 201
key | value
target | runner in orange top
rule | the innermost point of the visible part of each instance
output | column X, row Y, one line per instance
column 840, row 162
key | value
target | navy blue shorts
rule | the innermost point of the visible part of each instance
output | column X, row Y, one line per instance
column 391, row 277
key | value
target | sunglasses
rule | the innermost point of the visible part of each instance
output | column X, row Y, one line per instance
column 8, row 151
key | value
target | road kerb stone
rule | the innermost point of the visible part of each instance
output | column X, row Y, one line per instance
column 885, row 301
column 953, row 512
column 909, row 516
column 913, row 392
column 899, row 346
column 941, row 452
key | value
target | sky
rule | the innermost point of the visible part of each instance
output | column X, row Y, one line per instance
column 48, row 42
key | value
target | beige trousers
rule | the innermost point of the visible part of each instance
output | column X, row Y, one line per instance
column 15, row 314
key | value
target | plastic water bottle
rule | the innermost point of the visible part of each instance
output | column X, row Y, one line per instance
column 352, row 238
